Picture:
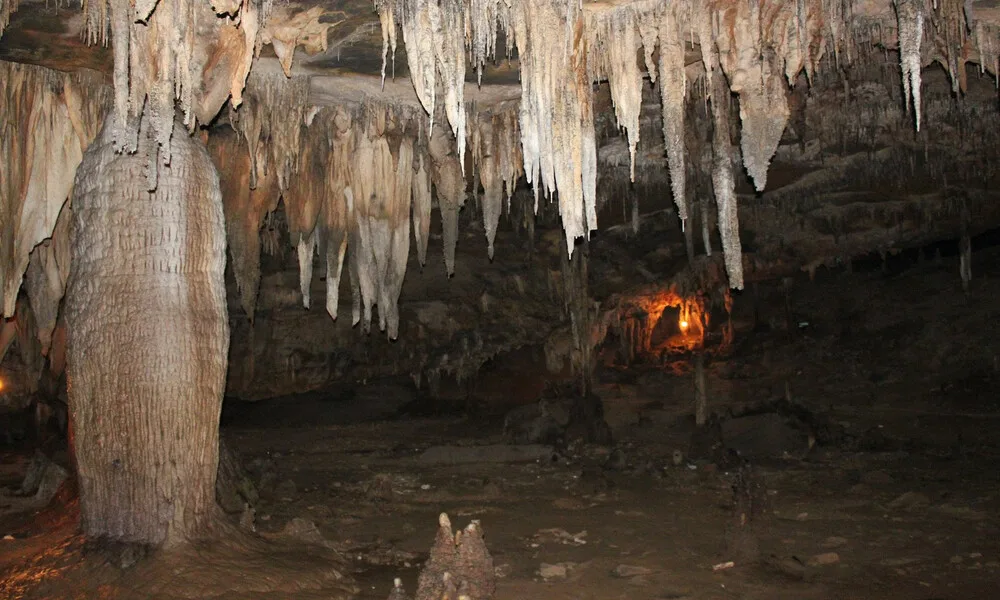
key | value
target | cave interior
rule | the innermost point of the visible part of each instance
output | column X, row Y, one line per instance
column 647, row 299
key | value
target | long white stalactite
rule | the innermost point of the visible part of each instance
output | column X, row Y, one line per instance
column 346, row 182
column 760, row 46
column 164, row 53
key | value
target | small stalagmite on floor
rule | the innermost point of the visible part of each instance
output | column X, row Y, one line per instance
column 459, row 567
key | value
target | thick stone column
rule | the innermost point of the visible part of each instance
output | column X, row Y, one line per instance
column 148, row 341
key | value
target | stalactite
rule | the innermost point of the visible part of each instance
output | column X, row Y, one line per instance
column 508, row 144
column 398, row 229
column 7, row 7
column 245, row 209
column 306, row 249
column 159, row 57
column 673, row 93
column 45, row 279
column 379, row 200
column 764, row 114
column 492, row 185
column 290, row 27
column 757, row 80
column 557, row 121
column 271, row 121
column 563, row 47
column 496, row 154
column 481, row 31
column 422, row 206
column 370, row 154
column 988, row 45
column 304, row 196
column 335, row 218
column 724, row 184
column 434, row 34
column 446, row 173
column 910, row 16
column 47, row 120
column 613, row 54
column 388, row 23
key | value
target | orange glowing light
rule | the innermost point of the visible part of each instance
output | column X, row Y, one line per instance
column 683, row 325
column 1, row 385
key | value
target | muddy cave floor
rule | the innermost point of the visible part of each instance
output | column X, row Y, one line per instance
column 901, row 501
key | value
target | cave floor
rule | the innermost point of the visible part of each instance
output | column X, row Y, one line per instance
column 903, row 524
column 899, row 498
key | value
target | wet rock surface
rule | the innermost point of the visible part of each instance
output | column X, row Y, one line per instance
column 896, row 497
column 849, row 512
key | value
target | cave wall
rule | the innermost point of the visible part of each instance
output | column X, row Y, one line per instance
column 449, row 326
column 850, row 177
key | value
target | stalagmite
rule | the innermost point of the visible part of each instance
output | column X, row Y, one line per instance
column 706, row 234
column 910, row 16
column 700, row 390
column 965, row 248
column 47, row 120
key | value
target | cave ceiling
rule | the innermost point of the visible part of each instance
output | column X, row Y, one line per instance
column 586, row 101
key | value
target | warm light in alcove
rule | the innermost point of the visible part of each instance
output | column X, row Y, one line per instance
column 1, row 385
column 683, row 325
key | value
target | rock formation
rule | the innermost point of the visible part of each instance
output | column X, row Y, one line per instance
column 459, row 565
column 774, row 129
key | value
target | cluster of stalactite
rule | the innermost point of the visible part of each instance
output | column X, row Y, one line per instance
column 161, row 52
column 752, row 49
column 6, row 8
column 353, row 180
column 47, row 120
